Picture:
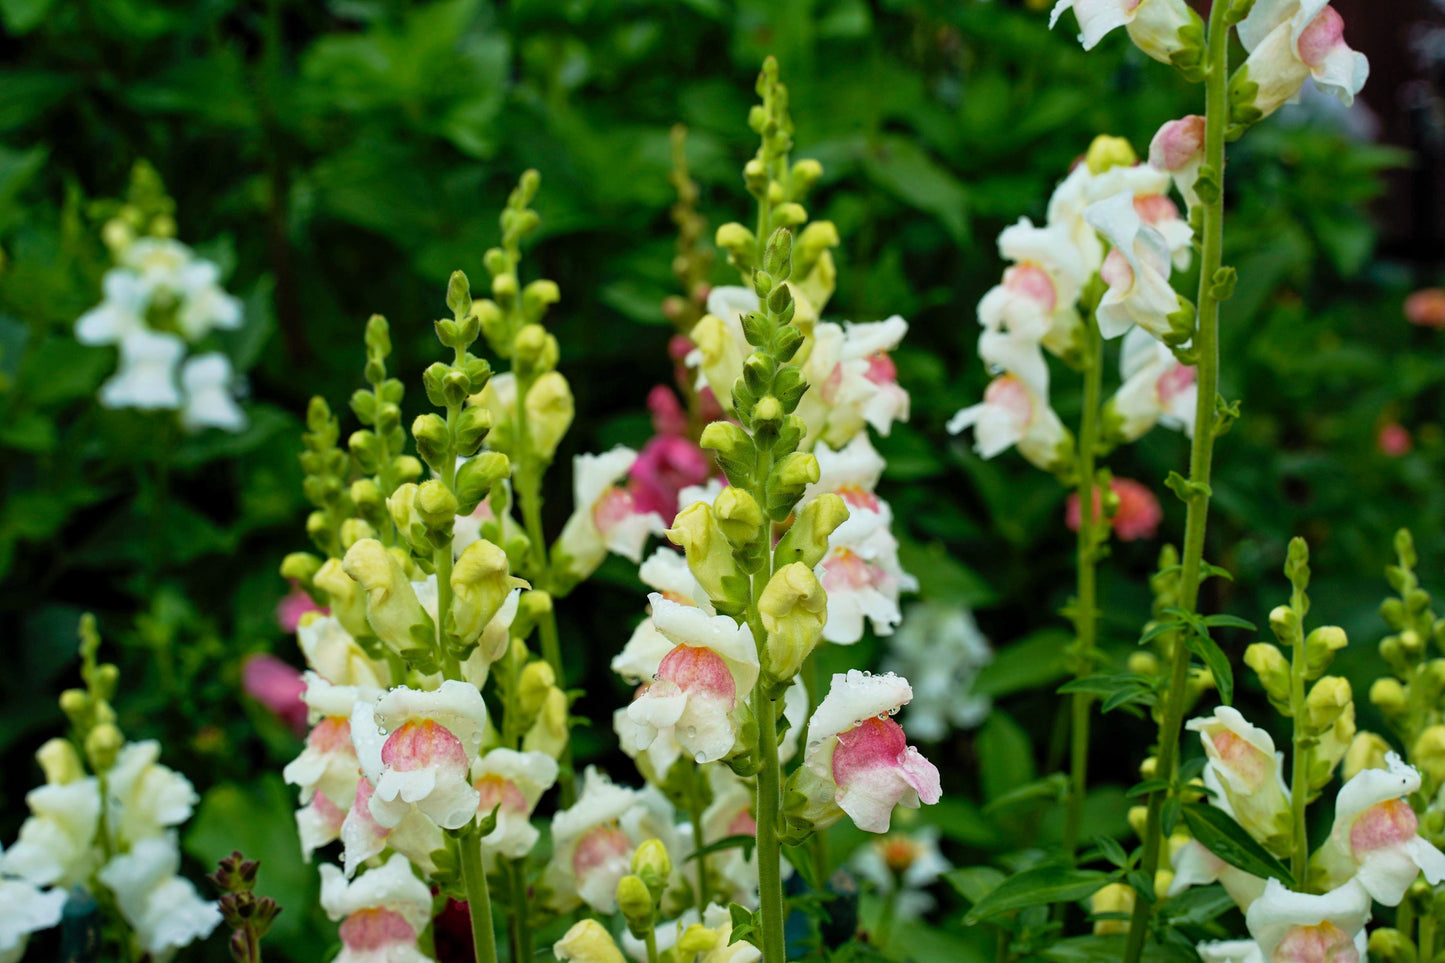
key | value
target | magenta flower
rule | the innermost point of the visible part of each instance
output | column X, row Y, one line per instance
column 277, row 686
column 666, row 465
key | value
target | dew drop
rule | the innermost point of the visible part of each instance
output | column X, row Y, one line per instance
column 883, row 716
column 893, row 711
column 691, row 731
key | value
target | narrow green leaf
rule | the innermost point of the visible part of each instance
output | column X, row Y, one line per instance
column 1225, row 838
column 1039, row 886
column 1228, row 621
column 1214, row 657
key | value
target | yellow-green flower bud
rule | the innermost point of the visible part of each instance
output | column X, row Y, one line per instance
column 436, row 505
column 344, row 596
column 491, row 322
column 1367, row 751
column 1326, row 700
column 1147, row 663
column 472, row 425
column 588, row 942
column 651, row 860
column 807, row 540
column 722, row 358
column 549, row 732
column 1411, row 644
column 1106, row 152
column 790, row 214
column 1284, row 623
column 538, row 296
column 534, row 686
column 739, row 517
column 697, row 939
column 1273, row 670
column 786, row 482
column 480, row 583
column 407, row 517
column 695, row 530
column 806, row 173
column 102, row 744
column 1321, row 646
column 476, row 476
column 1428, row 754
column 60, row 762
column 1330, row 749
column 1114, row 898
column 733, row 237
column 635, row 904
column 408, row 468
column 366, row 495
column 1391, row 946
column 1138, row 818
column 550, row 409
column 354, row 530
column 534, row 351
column 392, row 609
column 302, row 566
column 504, row 288
column 1388, row 695
column 794, row 608
column 431, row 435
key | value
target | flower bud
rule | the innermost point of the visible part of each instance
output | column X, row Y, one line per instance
column 588, row 942
column 1367, row 751
column 301, row 566
column 549, row 732
column 1388, row 695
column 697, row 939
column 786, row 482
column 1326, row 700
column 392, row 609
column 354, row 530
column 538, row 296
column 1321, row 646
column 476, row 476
column 739, row 517
column 806, row 173
column 534, row 351
column 1106, row 152
column 102, row 744
column 1274, row 673
column 432, row 439
column 60, row 763
column 794, row 609
column 651, row 860
column 534, row 686
column 737, row 240
column 1284, row 623
column 734, row 448
column 1138, row 817
column 436, row 505
column 480, row 584
column 550, row 409
column 635, row 904
column 1143, row 663
column 407, row 518
column 345, row 598
column 472, row 425
column 1428, row 754
column 696, row 531
column 1391, row 946
column 1113, row 898
column 789, row 215
column 807, row 540
column 722, row 357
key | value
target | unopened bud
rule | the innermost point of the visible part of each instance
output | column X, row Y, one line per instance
column 739, row 517
column 1143, row 663
column 652, row 862
column 60, row 762
column 1367, row 751
column 1321, row 646
column 1106, row 152
column 536, row 681
column 436, row 505
column 588, row 942
column 1391, row 946
column 807, row 540
column 1326, row 700
column 1274, row 673
column 635, row 904
column 1284, row 623
column 102, row 745
column 1388, row 695
column 794, row 609
column 1429, row 754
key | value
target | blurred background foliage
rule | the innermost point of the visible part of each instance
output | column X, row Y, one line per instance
column 341, row 158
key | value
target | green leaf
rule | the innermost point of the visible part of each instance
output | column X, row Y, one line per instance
column 1005, row 754
column 22, row 16
column 975, row 882
column 1030, row 663
column 1196, row 905
column 741, row 841
column 1042, row 885
column 1052, row 788
column 1109, row 948
column 1225, row 838
column 1214, row 657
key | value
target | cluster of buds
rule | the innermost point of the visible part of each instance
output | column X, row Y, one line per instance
column 102, row 832
column 160, row 301
column 249, row 916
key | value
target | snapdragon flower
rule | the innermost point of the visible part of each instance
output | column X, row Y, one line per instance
column 903, row 864
column 56, row 845
column 1375, row 838
column 121, row 312
column 857, row 760
column 1289, row 42
column 941, row 647
column 28, row 909
column 853, row 381
column 1016, row 413
column 1178, row 148
column 207, row 381
column 336, row 657
column 416, row 836
column 1195, row 865
column 605, row 517
column 1136, row 270
column 1153, row 25
column 1245, row 772
column 1157, row 389
column 382, row 912
column 163, row 909
column 1038, row 295
column 863, row 577
column 146, row 378
column 144, row 798
column 1303, row 928
column 512, row 782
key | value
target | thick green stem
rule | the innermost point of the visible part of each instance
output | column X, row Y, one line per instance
column 770, row 876
column 1201, row 458
column 1085, row 607
column 695, row 810
column 479, row 902
column 651, row 946
column 1426, row 947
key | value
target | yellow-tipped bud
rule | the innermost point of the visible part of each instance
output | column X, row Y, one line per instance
column 1273, row 670
column 102, row 745
column 1429, row 753
column 738, row 516
column 1321, row 646
column 392, row 609
column 722, row 356
column 1327, row 699
column 1143, row 663
column 794, row 608
column 1114, row 898
column 549, row 732
column 60, row 762
column 347, row 601
column 1388, row 695
column 550, row 409
column 696, row 531
column 533, row 686
column 1367, row 751
column 436, row 505
column 1138, row 817
column 635, row 903
column 480, row 584
column 1106, row 152
column 588, row 942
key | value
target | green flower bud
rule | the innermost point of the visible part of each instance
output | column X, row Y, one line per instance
column 1411, row 644
column 431, row 435
column 534, row 350
column 651, row 860
column 734, row 448
column 1391, row 946
column 102, row 745
column 344, row 596
column 722, row 359
column 1106, row 152
column 459, row 296
column 1389, row 696
column 407, row 468
column 504, row 288
column 1428, row 754
column 436, row 505
column 1147, row 663
column 472, row 425
column 550, row 409
column 492, row 323
column 805, row 174
column 549, row 732
column 1367, row 751
column 1274, row 673
column 807, row 540
column 392, row 609
column 1326, row 700
column 786, row 482
column 60, row 762
column 405, row 514
column 709, row 556
column 537, row 297
column 366, row 496
column 534, row 686
column 790, row 215
column 635, row 904
column 480, row 584
column 476, row 476
column 354, row 530
column 1284, row 623
column 739, row 518
column 794, row 608
column 588, row 942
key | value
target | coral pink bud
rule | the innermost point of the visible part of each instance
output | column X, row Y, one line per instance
column 296, row 604
column 668, row 418
column 1137, row 516
column 1394, row 440
column 1177, row 143
column 1426, row 308
column 277, row 686
column 679, row 346
column 666, row 465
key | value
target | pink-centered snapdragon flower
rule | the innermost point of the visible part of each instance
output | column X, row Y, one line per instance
column 1013, row 413
column 1289, row 42
column 1157, row 389
column 381, row 913
column 857, row 760
column 1305, row 928
column 854, row 381
column 1153, row 25
column 1136, row 269
column 1038, row 294
column 1178, row 148
column 606, row 516
column 512, row 782
column 326, row 772
column 1244, row 771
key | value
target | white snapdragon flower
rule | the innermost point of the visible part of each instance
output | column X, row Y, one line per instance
column 1230, row 951
column 416, row 836
column 56, row 845
column 605, row 518
column 1195, row 865
column 204, row 304
column 423, row 760
column 721, row 346
column 159, row 262
column 337, row 657
column 120, row 314
column 1015, row 413
column 163, row 909
column 207, row 383
column 862, row 576
column 857, row 760
column 1245, row 771
column 852, row 472
column 1178, row 148
column 1157, row 389
column 1302, row 928
column 853, row 381
column 1136, row 270
column 146, row 378
column 28, row 909
column 1153, row 25
column 1375, row 838
column 1038, row 295
column 382, row 912
column 327, row 770
column 905, row 863
column 1291, row 41
column 941, row 647
column 145, row 797
column 512, row 782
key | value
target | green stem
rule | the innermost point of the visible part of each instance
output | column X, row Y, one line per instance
column 479, row 902
column 1300, row 757
column 1428, row 923
column 521, row 924
column 651, row 939
column 1085, row 607
column 884, row 927
column 1201, row 459
column 695, row 811
column 770, row 876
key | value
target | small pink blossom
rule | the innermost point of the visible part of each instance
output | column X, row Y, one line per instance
column 668, row 415
column 295, row 604
column 277, row 686
column 1394, row 440
column 1137, row 517
column 1426, row 308
column 666, row 465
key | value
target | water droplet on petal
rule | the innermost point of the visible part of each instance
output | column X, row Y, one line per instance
column 691, row 731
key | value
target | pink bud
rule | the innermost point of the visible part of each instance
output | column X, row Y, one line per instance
column 1426, row 308
column 679, row 346
column 668, row 418
column 1138, row 515
column 666, row 465
column 277, row 686
column 1394, row 440
column 1177, row 143
column 296, row 604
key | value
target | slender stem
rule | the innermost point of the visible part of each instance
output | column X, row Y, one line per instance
column 1428, row 922
column 520, row 921
column 695, row 811
column 770, row 876
column 479, row 902
column 1085, row 609
column 1201, row 458
column 884, row 927
column 651, row 946
column 1300, row 757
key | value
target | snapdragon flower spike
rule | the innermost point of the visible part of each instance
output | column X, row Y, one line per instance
column 382, row 912
column 857, row 760
column 606, row 517
column 144, row 798
column 55, row 846
column 28, row 909
column 1157, row 389
column 163, row 909
column 1014, row 413
column 1153, row 25
column 700, row 684
column 512, row 782
column 207, row 383
column 146, row 378
column 862, row 576
column 853, row 380
column 1289, row 42
column 1245, row 772
column 1037, row 296
column 1178, row 148
column 431, row 741
column 1375, row 838
column 1136, row 270
column 1303, row 928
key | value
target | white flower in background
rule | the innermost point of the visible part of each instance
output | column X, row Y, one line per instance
column 512, row 782
column 731, row 814
column 1153, row 25
column 1291, row 41
column 1066, row 213
column 145, row 797
column 28, row 909
column 605, row 518
column 424, row 758
column 1230, row 951
column 1375, row 838
column 906, row 863
column 941, row 647
column 204, row 304
column 146, row 378
column 382, row 912
column 163, row 909
column 851, row 472
column 207, row 383
column 593, row 841
column 56, row 845
column 1245, row 771
column 853, row 381
column 1037, row 296
column 1014, row 353
column 862, row 576
column 858, row 760
column 120, row 314
column 1136, row 270
column 1329, row 928
column 158, row 262
column 1157, row 389
column 1013, row 413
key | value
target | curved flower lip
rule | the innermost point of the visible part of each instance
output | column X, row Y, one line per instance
column 855, row 465
column 391, row 886
column 1050, row 247
column 1227, row 718
column 1096, row 17
column 27, row 910
column 875, row 769
column 1279, row 910
column 643, row 653
column 1310, row 34
column 853, row 697
column 689, row 625
column 1147, row 299
column 454, row 704
column 1371, row 786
